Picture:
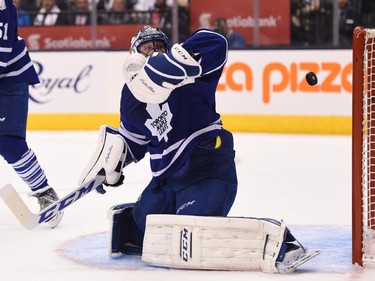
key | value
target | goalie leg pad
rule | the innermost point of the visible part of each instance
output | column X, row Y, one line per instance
column 110, row 154
column 121, row 226
column 196, row 242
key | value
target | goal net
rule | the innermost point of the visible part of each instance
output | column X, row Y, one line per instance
column 363, row 147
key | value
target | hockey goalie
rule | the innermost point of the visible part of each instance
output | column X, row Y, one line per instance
column 180, row 220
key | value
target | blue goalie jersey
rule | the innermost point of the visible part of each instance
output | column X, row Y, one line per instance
column 171, row 130
column 15, row 62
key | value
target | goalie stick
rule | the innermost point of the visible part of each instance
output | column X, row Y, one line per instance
column 30, row 220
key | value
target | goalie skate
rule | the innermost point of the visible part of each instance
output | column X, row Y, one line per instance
column 296, row 261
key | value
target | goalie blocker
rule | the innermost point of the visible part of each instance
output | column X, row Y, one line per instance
column 112, row 154
column 210, row 243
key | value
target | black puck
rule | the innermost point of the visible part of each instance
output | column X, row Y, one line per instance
column 311, row 78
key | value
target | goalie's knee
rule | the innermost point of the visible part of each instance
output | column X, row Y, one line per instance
column 122, row 230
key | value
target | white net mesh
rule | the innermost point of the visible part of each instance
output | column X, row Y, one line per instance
column 368, row 157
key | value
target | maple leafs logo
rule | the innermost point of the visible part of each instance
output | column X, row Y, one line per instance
column 160, row 122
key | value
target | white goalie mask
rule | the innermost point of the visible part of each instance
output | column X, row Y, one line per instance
column 160, row 41
column 156, row 41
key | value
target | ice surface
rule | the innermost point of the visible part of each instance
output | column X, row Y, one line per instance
column 304, row 180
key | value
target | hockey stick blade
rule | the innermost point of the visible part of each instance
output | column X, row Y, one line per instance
column 30, row 220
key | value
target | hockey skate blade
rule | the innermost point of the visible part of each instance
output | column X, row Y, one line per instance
column 303, row 259
column 18, row 207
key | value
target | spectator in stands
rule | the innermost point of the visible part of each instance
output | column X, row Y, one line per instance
column 102, row 8
column 183, row 20
column 107, row 4
column 29, row 5
column 101, row 5
column 347, row 22
column 34, row 5
column 144, row 5
column 161, row 17
column 156, row 13
column 64, row 5
column 235, row 40
column 24, row 18
column 119, row 13
column 81, row 14
column 49, row 14
column 304, row 21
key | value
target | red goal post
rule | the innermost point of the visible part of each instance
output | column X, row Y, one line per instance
column 363, row 147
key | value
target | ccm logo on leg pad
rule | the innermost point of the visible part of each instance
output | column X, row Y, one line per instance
column 186, row 242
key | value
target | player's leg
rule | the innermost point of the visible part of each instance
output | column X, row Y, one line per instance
column 209, row 187
column 215, row 194
column 122, row 229
column 14, row 148
column 128, row 221
column 220, row 243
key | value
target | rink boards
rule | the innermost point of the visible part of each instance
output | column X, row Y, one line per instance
column 260, row 91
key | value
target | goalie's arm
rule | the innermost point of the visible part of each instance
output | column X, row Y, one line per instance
column 162, row 73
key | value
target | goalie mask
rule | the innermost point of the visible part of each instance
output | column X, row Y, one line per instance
column 159, row 42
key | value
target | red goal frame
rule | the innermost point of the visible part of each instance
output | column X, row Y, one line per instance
column 363, row 147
